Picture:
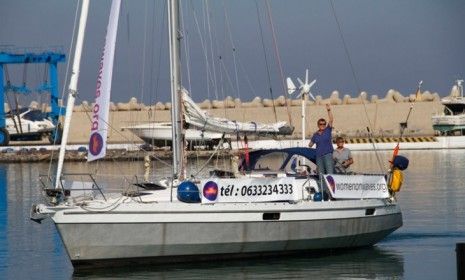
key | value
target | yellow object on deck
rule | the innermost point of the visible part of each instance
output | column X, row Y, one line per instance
column 397, row 178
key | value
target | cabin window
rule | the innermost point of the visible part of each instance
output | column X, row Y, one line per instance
column 369, row 211
column 34, row 115
column 271, row 161
column 298, row 164
column 271, row 216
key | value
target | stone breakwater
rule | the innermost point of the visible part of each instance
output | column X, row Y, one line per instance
column 352, row 115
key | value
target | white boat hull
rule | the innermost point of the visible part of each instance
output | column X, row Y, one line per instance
column 440, row 142
column 159, row 134
column 185, row 233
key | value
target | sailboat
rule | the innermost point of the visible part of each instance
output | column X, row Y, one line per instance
column 254, row 210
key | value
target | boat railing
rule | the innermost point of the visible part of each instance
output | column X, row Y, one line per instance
column 48, row 184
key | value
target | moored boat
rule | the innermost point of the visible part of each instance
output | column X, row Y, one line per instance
column 273, row 202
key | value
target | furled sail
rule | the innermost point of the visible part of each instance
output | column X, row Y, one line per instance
column 201, row 120
column 101, row 108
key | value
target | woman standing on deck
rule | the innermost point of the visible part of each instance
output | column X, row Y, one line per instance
column 324, row 144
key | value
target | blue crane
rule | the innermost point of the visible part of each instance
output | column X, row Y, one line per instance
column 50, row 58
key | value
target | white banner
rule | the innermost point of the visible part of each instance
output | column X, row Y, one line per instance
column 101, row 108
column 357, row 186
column 250, row 190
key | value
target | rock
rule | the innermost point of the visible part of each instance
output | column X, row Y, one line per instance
column 334, row 98
column 389, row 96
column 122, row 106
column 205, row 105
column 267, row 102
column 216, row 104
column 134, row 106
column 427, row 96
column 256, row 102
column 168, row 106
column 280, row 101
column 113, row 107
column 160, row 106
column 229, row 102
column 398, row 97
column 349, row 100
column 237, row 103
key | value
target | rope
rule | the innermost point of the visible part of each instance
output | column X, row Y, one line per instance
column 370, row 127
column 266, row 60
column 211, row 156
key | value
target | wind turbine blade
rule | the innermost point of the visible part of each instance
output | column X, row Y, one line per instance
column 311, row 96
column 300, row 82
column 290, row 86
column 312, row 83
column 306, row 76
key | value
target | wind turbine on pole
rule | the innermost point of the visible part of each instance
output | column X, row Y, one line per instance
column 304, row 93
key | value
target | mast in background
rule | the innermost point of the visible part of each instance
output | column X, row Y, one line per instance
column 72, row 87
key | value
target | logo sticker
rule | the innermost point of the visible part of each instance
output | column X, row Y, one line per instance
column 95, row 144
column 331, row 182
column 210, row 190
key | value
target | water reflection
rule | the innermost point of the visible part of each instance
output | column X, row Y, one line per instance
column 432, row 201
column 366, row 263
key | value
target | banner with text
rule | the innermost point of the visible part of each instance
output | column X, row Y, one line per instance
column 101, row 108
column 357, row 186
column 250, row 190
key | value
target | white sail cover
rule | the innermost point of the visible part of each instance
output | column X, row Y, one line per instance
column 101, row 108
column 201, row 120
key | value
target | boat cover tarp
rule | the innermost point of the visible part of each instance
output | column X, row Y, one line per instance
column 199, row 119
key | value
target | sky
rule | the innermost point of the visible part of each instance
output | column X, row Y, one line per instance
column 391, row 44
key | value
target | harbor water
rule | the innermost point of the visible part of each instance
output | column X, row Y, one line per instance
column 432, row 199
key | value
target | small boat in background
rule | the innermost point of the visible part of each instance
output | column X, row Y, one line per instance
column 28, row 124
column 452, row 121
column 160, row 134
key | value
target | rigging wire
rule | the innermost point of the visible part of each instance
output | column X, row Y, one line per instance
column 156, row 88
column 68, row 66
column 204, row 49
column 210, row 37
column 357, row 84
column 266, row 61
column 186, row 50
column 144, row 50
column 278, row 59
column 233, row 46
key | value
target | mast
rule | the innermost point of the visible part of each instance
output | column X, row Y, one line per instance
column 175, row 80
column 72, row 87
